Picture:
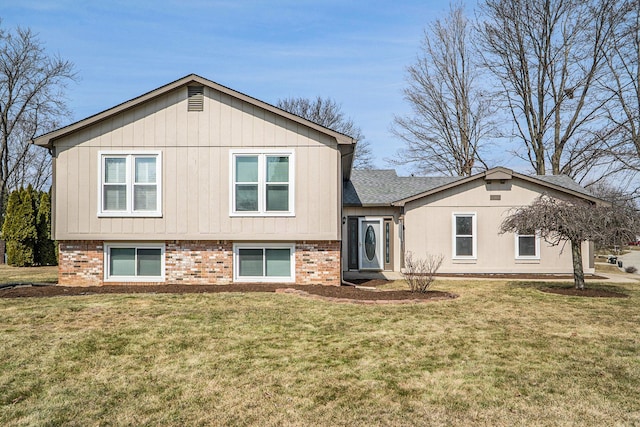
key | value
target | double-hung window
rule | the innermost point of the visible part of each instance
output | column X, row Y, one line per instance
column 464, row 236
column 130, row 184
column 262, row 183
column 264, row 263
column 142, row 262
column 528, row 246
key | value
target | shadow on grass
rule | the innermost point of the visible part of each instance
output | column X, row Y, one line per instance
column 592, row 290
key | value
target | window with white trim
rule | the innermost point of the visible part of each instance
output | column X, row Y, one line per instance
column 464, row 236
column 262, row 183
column 264, row 263
column 527, row 246
column 130, row 184
column 129, row 262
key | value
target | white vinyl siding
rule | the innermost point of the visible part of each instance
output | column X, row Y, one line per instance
column 130, row 184
column 262, row 183
column 134, row 262
column 464, row 227
column 270, row 262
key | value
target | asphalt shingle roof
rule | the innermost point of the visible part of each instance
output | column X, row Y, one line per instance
column 384, row 186
column 565, row 182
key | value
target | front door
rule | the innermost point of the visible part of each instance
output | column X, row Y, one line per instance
column 370, row 242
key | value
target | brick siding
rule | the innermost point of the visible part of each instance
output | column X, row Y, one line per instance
column 80, row 263
column 197, row 263
column 318, row 263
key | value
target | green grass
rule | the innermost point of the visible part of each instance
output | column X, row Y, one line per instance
column 10, row 274
column 502, row 354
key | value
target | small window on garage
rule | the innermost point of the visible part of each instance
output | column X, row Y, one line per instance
column 464, row 235
column 528, row 246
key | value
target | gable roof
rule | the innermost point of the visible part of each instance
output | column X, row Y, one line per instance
column 383, row 187
column 48, row 139
column 346, row 144
column 386, row 188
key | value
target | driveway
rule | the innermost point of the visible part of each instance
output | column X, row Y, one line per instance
column 631, row 259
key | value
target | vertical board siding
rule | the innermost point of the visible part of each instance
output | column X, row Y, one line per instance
column 73, row 196
column 196, row 181
column 84, row 191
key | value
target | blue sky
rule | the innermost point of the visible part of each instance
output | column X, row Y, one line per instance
column 355, row 52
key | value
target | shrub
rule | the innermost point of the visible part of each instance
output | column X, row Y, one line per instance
column 419, row 273
column 27, row 229
column 631, row 269
column 19, row 229
column 45, row 248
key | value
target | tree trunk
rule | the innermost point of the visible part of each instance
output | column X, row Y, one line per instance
column 578, row 273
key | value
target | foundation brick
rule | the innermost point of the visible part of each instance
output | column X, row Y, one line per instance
column 318, row 262
column 192, row 262
column 80, row 263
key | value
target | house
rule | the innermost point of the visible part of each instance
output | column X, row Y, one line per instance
column 386, row 216
column 196, row 183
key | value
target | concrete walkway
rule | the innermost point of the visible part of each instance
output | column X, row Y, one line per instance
column 388, row 275
column 620, row 278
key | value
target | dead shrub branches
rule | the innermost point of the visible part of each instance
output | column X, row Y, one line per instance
column 419, row 273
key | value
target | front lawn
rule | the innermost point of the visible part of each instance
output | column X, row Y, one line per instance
column 9, row 274
column 502, row 354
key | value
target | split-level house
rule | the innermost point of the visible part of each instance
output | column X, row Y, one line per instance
column 196, row 183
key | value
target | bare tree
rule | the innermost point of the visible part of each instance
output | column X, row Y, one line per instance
column 31, row 102
column 574, row 221
column 451, row 114
column 328, row 113
column 614, row 194
column 547, row 56
column 622, row 83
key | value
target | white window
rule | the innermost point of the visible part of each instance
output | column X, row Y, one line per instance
column 264, row 262
column 131, row 262
column 130, row 184
column 464, row 236
column 528, row 246
column 262, row 183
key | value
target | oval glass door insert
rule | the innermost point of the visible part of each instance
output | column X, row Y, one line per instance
column 370, row 243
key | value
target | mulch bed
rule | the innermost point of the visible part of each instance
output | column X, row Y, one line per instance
column 332, row 293
column 594, row 293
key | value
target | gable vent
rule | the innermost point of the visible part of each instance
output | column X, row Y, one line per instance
column 195, row 96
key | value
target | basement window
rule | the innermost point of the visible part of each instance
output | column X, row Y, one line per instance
column 142, row 262
column 272, row 262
